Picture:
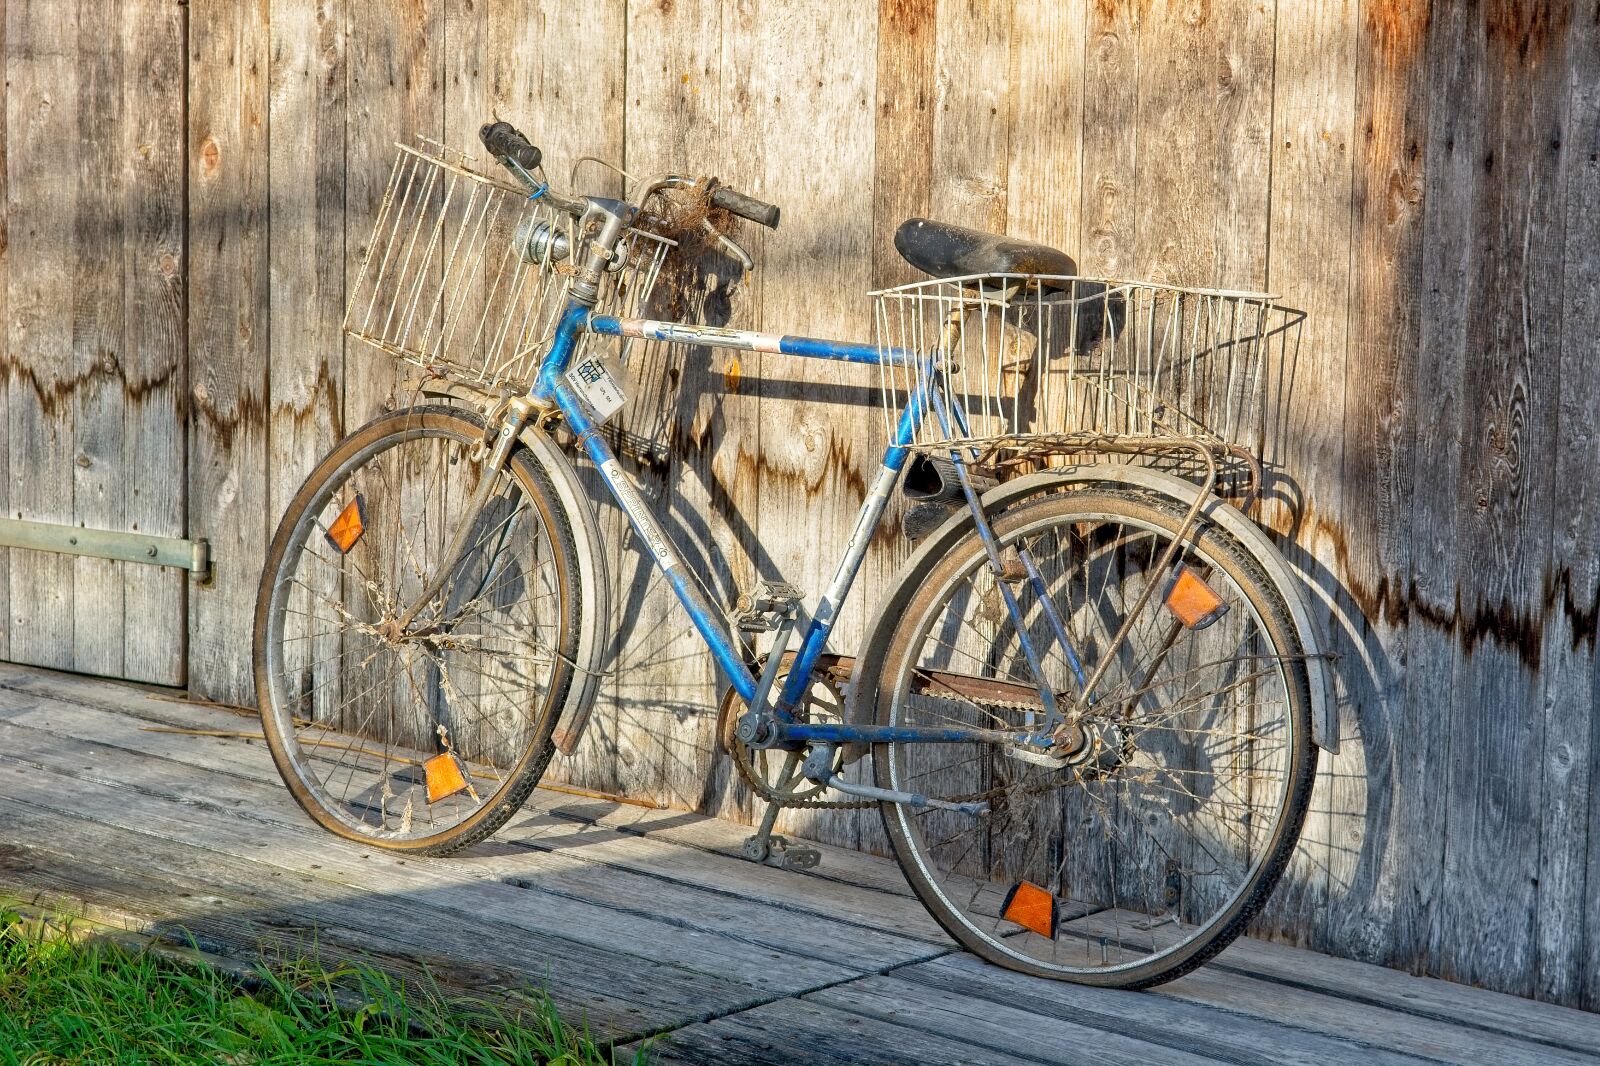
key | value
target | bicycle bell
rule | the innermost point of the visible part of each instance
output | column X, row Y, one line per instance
column 539, row 240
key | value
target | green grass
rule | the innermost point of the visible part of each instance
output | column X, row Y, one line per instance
column 90, row 1001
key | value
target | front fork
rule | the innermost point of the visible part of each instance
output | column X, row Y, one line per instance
column 518, row 409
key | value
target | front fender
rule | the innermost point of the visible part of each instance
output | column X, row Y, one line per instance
column 594, row 582
column 1324, row 723
column 594, row 578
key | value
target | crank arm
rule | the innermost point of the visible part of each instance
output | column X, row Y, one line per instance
column 910, row 799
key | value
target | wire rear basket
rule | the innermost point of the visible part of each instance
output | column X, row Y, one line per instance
column 1048, row 361
column 467, row 276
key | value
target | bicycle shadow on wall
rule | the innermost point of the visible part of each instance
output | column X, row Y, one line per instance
column 1343, row 845
column 687, row 445
column 667, row 437
column 1342, row 850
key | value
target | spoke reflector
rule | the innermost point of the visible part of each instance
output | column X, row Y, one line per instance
column 1033, row 908
column 348, row 527
column 1191, row 600
column 444, row 776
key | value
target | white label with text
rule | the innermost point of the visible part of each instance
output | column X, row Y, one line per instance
column 598, row 379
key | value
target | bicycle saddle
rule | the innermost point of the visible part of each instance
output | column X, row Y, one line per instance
column 945, row 251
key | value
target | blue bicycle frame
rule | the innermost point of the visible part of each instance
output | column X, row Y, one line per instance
column 551, row 385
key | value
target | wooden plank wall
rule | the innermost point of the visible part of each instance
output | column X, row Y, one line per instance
column 92, row 267
column 1422, row 180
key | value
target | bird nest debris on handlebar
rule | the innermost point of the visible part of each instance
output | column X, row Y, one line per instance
column 466, row 275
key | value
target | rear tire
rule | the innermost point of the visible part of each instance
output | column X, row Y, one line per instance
column 1156, row 848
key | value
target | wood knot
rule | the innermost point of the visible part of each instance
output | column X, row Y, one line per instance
column 1106, row 49
column 210, row 157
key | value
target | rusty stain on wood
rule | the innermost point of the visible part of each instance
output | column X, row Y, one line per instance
column 1524, row 31
column 1398, row 601
column 1398, row 29
column 55, row 393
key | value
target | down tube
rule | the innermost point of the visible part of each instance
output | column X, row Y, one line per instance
column 872, row 508
column 649, row 530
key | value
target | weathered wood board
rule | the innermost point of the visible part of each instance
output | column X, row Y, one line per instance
column 642, row 922
column 229, row 310
column 93, row 337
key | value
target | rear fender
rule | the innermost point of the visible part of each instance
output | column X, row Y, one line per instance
column 861, row 695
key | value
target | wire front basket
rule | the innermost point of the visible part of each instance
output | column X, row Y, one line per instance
column 466, row 276
column 1048, row 361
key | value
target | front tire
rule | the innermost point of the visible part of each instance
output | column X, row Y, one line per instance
column 429, row 740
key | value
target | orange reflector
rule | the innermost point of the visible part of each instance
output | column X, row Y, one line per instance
column 444, row 776
column 348, row 527
column 1032, row 908
column 1192, row 601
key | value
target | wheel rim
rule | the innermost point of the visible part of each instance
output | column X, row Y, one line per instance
column 1160, row 836
column 362, row 709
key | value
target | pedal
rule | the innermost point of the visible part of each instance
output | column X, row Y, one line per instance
column 793, row 856
column 756, row 848
column 766, row 607
column 790, row 854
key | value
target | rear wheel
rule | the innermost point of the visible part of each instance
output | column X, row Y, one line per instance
column 1143, row 839
column 425, row 738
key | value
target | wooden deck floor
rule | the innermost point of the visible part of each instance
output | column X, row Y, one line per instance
column 646, row 921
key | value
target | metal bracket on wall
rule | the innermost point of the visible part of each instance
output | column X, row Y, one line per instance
column 191, row 555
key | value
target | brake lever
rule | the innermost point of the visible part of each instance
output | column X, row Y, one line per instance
column 730, row 244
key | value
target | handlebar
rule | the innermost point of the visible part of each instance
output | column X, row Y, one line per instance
column 746, row 207
column 521, row 157
column 505, row 143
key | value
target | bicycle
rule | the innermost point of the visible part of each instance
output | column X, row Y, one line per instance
column 1091, row 702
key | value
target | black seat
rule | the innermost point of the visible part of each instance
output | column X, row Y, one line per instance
column 945, row 251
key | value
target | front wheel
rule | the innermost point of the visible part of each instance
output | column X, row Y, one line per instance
column 426, row 736
column 1142, row 840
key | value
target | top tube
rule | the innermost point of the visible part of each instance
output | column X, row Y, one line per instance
column 748, row 340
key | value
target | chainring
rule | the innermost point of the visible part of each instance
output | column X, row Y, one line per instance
column 764, row 769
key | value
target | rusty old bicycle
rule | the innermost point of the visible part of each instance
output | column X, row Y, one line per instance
column 1091, row 702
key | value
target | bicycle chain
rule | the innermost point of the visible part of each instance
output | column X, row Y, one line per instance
column 741, row 760
column 772, row 795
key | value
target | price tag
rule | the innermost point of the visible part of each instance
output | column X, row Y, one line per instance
column 598, row 379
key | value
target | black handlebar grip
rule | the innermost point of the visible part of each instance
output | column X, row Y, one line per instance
column 749, row 207
column 504, row 142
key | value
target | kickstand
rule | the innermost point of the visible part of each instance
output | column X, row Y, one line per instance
column 759, row 846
